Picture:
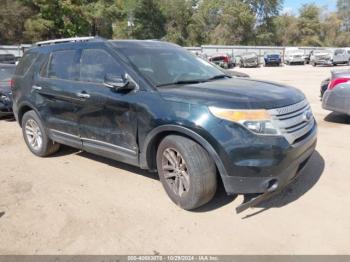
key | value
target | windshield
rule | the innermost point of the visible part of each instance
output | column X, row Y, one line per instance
column 165, row 66
column 6, row 73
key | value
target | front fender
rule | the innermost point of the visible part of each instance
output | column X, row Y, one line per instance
column 159, row 132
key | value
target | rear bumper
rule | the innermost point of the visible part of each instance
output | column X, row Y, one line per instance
column 279, row 174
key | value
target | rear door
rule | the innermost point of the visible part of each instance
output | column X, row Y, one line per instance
column 58, row 100
column 107, row 123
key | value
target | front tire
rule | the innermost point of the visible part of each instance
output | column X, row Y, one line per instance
column 36, row 137
column 187, row 172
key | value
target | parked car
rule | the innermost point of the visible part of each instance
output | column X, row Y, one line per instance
column 223, row 60
column 340, row 56
column 230, row 72
column 337, row 95
column 7, row 59
column 249, row 60
column 154, row 105
column 6, row 73
column 329, row 57
column 272, row 58
column 294, row 56
column 321, row 57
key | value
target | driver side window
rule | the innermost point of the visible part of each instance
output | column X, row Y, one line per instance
column 95, row 64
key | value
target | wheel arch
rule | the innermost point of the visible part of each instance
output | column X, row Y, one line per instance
column 150, row 145
column 22, row 109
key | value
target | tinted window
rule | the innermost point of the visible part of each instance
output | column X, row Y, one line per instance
column 6, row 73
column 24, row 64
column 95, row 64
column 63, row 65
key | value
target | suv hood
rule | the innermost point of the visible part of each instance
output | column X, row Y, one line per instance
column 234, row 93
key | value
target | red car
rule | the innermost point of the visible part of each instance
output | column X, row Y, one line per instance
column 223, row 60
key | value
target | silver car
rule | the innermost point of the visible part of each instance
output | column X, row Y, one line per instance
column 337, row 96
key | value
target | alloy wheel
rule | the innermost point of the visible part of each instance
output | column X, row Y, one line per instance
column 34, row 135
column 175, row 171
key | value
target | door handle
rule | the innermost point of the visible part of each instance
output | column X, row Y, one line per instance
column 83, row 95
column 35, row 87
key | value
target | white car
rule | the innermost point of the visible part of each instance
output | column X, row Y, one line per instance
column 340, row 56
column 294, row 56
column 329, row 57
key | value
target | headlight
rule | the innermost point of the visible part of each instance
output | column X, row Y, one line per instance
column 257, row 121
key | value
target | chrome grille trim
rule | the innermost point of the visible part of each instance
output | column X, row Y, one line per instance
column 292, row 120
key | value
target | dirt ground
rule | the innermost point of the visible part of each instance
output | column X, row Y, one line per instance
column 78, row 203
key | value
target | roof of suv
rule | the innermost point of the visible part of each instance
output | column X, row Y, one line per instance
column 48, row 46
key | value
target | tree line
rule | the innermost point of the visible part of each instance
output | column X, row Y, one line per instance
column 185, row 22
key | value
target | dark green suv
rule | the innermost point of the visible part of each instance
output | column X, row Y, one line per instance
column 154, row 105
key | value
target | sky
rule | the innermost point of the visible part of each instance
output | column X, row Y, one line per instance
column 292, row 6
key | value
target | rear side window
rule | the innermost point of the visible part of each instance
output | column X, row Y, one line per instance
column 63, row 65
column 25, row 63
column 95, row 64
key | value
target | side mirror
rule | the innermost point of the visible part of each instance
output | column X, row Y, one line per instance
column 118, row 83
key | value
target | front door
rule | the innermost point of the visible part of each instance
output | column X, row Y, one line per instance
column 108, row 122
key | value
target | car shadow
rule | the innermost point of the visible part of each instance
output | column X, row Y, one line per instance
column 306, row 179
column 337, row 118
column 9, row 118
column 66, row 150
column 120, row 165
column 220, row 199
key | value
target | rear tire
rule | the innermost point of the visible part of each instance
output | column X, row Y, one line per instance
column 187, row 172
column 36, row 137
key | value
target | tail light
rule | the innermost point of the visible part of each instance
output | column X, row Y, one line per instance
column 11, row 83
column 336, row 82
column 226, row 59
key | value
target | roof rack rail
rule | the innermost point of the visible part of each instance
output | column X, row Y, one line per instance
column 67, row 40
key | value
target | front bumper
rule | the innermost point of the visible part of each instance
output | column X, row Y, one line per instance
column 274, row 170
column 324, row 62
column 272, row 61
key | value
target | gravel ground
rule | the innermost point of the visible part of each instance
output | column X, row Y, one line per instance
column 78, row 203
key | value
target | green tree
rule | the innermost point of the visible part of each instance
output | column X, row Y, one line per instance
column 286, row 30
column 12, row 17
column 235, row 24
column 205, row 19
column 148, row 21
column 178, row 15
column 331, row 29
column 343, row 10
column 309, row 25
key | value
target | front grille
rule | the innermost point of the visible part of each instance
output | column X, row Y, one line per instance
column 294, row 121
column 251, row 60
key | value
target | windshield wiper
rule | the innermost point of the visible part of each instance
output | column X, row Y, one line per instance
column 196, row 81
column 217, row 77
column 181, row 82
